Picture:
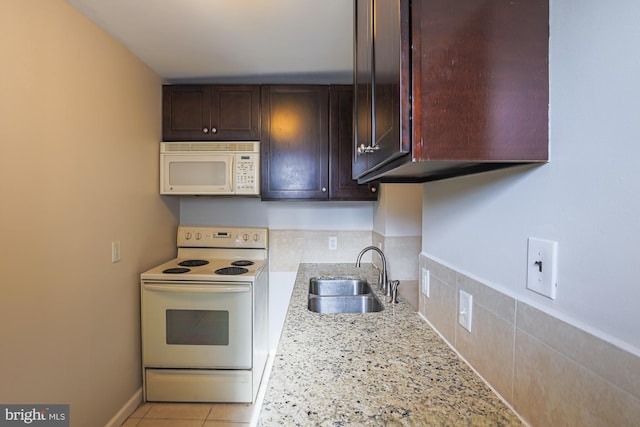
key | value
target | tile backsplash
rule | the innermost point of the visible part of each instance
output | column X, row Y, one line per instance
column 288, row 248
column 401, row 253
column 550, row 372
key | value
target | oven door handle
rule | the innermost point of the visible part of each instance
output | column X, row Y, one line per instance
column 197, row 289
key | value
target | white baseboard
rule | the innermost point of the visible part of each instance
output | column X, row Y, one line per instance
column 126, row 410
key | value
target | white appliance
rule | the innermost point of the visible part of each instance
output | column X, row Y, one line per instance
column 211, row 168
column 204, row 317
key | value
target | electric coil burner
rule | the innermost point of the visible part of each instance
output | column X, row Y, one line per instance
column 231, row 271
column 193, row 263
column 242, row 263
column 205, row 317
column 176, row 270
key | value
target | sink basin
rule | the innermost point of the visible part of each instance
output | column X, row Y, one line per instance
column 344, row 304
column 340, row 295
column 338, row 287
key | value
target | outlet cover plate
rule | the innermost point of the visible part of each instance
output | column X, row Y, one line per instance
column 465, row 310
column 425, row 285
column 542, row 266
column 333, row 243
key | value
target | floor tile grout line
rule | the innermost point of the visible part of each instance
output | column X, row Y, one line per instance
column 208, row 417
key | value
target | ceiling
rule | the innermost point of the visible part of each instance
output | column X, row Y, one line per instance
column 227, row 41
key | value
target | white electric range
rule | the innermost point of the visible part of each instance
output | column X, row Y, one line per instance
column 204, row 317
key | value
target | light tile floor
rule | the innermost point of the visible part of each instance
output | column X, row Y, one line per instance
column 191, row 415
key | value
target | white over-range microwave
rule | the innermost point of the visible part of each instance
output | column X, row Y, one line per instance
column 210, row 168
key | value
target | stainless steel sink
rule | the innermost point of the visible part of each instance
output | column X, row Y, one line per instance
column 342, row 296
column 338, row 287
column 344, row 304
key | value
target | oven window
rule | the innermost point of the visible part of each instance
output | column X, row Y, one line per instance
column 197, row 327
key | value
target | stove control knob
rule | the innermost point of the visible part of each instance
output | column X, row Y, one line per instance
column 187, row 236
column 256, row 237
column 245, row 237
column 198, row 236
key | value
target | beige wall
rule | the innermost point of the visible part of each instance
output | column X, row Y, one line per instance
column 399, row 211
column 79, row 131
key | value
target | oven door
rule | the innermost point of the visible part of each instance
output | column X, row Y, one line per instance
column 196, row 325
column 200, row 173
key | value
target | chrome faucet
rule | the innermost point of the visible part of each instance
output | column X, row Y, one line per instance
column 384, row 285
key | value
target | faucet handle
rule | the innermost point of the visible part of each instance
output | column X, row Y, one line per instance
column 394, row 291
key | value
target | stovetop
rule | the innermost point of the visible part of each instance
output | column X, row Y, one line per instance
column 215, row 254
column 215, row 270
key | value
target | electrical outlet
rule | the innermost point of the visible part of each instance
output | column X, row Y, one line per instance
column 333, row 243
column 542, row 266
column 465, row 310
column 115, row 251
column 425, row 282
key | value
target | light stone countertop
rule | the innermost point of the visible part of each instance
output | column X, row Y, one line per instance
column 374, row 369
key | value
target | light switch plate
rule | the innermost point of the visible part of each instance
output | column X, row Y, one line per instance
column 465, row 310
column 115, row 251
column 542, row 266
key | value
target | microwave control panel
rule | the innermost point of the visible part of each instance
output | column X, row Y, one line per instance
column 247, row 173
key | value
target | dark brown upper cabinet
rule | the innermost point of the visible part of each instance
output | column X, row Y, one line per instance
column 210, row 112
column 305, row 147
column 293, row 151
column 447, row 88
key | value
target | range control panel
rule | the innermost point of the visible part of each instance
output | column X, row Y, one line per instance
column 223, row 237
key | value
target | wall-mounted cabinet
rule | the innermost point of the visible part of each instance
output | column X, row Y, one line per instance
column 449, row 88
column 306, row 146
column 294, row 149
column 210, row 112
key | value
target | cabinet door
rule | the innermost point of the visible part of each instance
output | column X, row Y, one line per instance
column 186, row 112
column 235, row 113
column 387, row 80
column 363, row 82
column 382, row 64
column 294, row 149
column 341, row 184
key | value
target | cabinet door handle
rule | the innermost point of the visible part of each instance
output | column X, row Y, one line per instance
column 205, row 130
column 214, row 130
column 206, row 288
column 367, row 150
column 324, row 189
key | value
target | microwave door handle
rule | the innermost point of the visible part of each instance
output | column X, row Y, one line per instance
column 197, row 289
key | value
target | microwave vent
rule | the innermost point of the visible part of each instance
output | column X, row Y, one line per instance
column 249, row 147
